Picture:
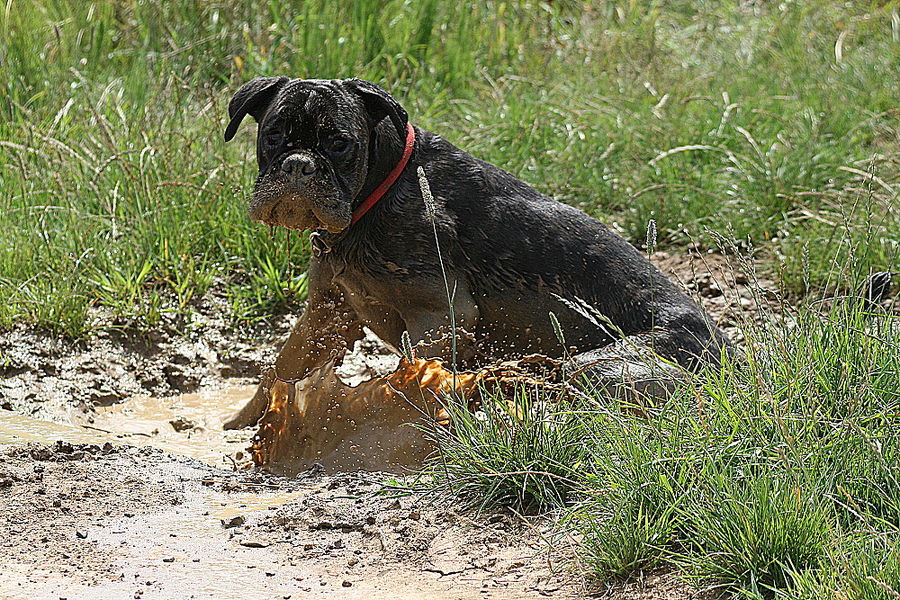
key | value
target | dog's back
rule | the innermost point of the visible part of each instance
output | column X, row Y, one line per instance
column 526, row 255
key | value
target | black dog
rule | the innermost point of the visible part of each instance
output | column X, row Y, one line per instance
column 328, row 153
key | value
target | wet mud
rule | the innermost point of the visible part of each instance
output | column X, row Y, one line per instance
column 118, row 480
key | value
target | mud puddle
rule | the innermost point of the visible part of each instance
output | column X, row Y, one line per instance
column 148, row 498
column 188, row 424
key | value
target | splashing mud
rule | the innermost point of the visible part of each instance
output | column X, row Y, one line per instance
column 381, row 424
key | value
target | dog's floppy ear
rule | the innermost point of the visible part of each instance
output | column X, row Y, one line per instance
column 380, row 104
column 252, row 99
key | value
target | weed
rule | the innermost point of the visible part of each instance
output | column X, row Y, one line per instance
column 521, row 450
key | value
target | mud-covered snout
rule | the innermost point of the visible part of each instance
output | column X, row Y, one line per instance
column 297, row 192
column 298, row 166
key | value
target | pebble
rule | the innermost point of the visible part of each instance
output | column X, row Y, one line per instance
column 182, row 424
column 233, row 522
column 169, row 559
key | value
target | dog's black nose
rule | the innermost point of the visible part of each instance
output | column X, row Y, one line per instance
column 298, row 165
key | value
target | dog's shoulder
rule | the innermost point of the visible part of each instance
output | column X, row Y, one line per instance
column 461, row 172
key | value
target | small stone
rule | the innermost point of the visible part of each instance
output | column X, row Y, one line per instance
column 182, row 424
column 254, row 543
column 81, row 534
column 63, row 447
column 346, row 583
column 169, row 559
column 233, row 522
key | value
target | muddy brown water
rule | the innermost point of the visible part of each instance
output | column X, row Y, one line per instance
column 146, row 421
column 197, row 433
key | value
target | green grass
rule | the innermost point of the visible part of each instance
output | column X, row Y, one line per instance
column 777, row 479
column 775, row 124
column 520, row 452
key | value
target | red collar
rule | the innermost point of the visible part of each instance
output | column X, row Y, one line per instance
column 382, row 189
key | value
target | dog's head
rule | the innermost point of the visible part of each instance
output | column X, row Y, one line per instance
column 314, row 146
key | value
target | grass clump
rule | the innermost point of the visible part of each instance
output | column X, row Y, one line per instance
column 751, row 535
column 523, row 450
column 865, row 566
column 754, row 479
column 623, row 535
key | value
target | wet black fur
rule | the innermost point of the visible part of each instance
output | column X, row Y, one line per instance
column 510, row 251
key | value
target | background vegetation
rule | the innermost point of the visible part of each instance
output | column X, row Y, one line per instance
column 775, row 124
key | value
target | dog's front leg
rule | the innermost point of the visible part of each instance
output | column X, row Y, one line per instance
column 432, row 336
column 327, row 328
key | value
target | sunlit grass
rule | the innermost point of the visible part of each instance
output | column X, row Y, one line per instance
column 775, row 477
column 745, row 119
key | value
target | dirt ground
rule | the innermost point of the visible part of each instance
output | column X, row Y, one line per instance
column 118, row 481
column 108, row 521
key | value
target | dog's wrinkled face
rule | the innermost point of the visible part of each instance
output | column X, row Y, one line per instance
column 313, row 146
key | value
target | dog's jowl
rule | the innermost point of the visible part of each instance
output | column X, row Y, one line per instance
column 340, row 157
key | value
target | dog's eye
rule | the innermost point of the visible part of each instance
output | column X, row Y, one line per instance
column 337, row 145
column 273, row 138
